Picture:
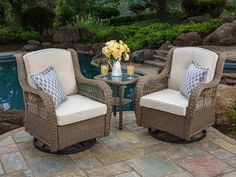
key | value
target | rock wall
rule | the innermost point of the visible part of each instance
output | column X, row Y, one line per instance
column 10, row 120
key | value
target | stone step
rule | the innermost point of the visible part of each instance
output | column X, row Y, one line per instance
column 161, row 52
column 159, row 57
column 154, row 63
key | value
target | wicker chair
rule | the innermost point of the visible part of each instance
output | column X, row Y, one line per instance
column 86, row 114
column 160, row 106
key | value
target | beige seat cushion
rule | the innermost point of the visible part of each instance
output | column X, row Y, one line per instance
column 78, row 108
column 167, row 100
column 60, row 60
column 183, row 57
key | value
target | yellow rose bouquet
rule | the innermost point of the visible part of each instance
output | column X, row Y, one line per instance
column 115, row 51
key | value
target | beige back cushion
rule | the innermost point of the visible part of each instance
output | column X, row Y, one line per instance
column 60, row 60
column 183, row 57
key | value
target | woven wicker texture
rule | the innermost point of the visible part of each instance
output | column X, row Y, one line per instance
column 40, row 114
column 200, row 111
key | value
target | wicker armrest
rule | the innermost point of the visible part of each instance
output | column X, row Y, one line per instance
column 150, row 83
column 146, row 85
column 95, row 89
column 203, row 96
column 38, row 102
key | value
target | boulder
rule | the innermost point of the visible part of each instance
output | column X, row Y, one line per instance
column 29, row 48
column 33, row 42
column 226, row 97
column 166, row 46
column 188, row 39
column 88, row 47
column 228, row 79
column 78, row 47
column 46, row 44
column 97, row 48
column 62, row 45
column 10, row 120
column 68, row 34
column 140, row 55
column 229, row 19
column 223, row 36
column 98, row 60
column 197, row 19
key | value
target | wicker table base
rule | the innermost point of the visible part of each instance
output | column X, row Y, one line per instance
column 160, row 135
column 80, row 147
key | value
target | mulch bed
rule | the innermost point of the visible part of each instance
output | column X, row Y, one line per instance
column 227, row 130
column 10, row 48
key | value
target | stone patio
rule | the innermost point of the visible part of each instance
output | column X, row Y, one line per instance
column 128, row 153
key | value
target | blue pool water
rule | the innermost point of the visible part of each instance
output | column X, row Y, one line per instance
column 10, row 90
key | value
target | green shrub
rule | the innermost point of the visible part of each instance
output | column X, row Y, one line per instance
column 38, row 18
column 107, row 12
column 127, row 20
column 64, row 15
column 10, row 35
column 137, row 8
column 153, row 35
column 200, row 7
column 131, row 19
column 91, row 23
column 213, row 7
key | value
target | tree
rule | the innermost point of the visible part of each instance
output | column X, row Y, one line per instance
column 160, row 6
column 163, row 9
column 2, row 13
column 17, row 10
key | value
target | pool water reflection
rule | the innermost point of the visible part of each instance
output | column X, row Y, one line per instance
column 10, row 91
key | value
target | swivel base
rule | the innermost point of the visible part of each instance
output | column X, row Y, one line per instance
column 163, row 136
column 80, row 147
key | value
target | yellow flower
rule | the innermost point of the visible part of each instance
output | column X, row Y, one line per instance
column 121, row 42
column 117, row 54
column 126, row 57
column 112, row 42
column 106, row 52
column 126, row 48
column 122, row 49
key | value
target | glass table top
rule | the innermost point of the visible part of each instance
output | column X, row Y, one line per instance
column 124, row 79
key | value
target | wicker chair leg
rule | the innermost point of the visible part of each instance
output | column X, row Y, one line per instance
column 166, row 137
column 80, row 147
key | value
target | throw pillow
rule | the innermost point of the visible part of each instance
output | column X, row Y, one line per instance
column 194, row 76
column 48, row 82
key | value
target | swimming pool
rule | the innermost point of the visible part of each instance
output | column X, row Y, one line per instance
column 10, row 91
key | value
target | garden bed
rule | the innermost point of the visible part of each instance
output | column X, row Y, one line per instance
column 227, row 130
column 10, row 48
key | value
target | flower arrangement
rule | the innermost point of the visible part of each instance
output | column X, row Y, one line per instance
column 115, row 51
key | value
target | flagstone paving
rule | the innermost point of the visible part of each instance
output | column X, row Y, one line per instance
column 131, row 152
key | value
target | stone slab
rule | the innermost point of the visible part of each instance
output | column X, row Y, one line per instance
column 129, row 174
column 221, row 153
column 109, row 170
column 8, row 140
column 27, row 173
column 22, row 136
column 225, row 145
column 153, row 166
column 51, row 165
column 88, row 163
column 204, row 165
column 231, row 161
column 13, row 162
column 231, row 174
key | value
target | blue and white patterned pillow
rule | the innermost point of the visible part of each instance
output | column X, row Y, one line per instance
column 194, row 76
column 47, row 81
